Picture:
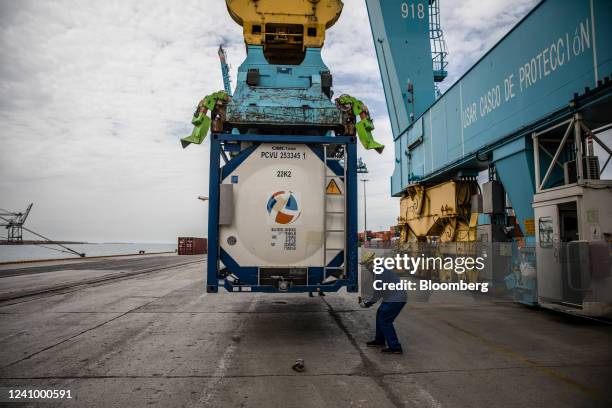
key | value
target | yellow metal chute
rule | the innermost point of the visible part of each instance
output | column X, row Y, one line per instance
column 440, row 213
column 285, row 28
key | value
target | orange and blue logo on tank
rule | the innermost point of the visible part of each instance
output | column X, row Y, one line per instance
column 283, row 207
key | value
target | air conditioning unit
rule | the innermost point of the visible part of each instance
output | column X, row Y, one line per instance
column 590, row 167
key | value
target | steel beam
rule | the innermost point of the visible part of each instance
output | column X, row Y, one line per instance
column 540, row 186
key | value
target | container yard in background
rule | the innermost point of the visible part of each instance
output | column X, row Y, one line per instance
column 380, row 239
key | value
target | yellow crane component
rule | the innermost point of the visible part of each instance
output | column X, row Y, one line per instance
column 442, row 212
column 284, row 26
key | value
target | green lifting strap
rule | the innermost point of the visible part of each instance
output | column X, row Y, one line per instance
column 201, row 122
column 365, row 126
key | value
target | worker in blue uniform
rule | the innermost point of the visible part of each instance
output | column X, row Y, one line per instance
column 393, row 301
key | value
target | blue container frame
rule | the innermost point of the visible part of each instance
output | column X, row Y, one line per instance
column 218, row 173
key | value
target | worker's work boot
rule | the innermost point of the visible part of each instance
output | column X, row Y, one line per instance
column 392, row 350
column 375, row 343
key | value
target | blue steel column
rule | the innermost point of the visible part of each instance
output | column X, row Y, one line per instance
column 212, row 280
column 351, row 197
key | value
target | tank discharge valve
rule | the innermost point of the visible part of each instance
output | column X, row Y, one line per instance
column 283, row 285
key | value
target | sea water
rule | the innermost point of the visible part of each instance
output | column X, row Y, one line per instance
column 9, row 253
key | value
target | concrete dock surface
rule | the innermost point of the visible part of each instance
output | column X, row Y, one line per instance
column 155, row 338
column 19, row 280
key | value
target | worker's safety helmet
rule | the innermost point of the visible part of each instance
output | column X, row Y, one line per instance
column 367, row 257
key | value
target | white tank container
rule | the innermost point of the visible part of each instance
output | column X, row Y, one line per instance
column 278, row 218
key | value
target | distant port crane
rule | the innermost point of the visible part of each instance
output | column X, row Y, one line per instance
column 13, row 222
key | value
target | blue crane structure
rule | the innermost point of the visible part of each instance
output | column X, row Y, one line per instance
column 524, row 83
column 529, row 110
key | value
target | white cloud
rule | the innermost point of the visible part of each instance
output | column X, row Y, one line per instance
column 95, row 96
column 472, row 27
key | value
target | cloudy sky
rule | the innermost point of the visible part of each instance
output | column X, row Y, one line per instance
column 96, row 94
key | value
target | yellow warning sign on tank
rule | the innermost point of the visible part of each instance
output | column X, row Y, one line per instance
column 332, row 188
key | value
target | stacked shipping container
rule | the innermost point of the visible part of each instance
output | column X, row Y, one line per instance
column 192, row 246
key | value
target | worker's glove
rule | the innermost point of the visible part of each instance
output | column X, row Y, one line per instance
column 364, row 304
